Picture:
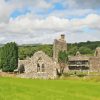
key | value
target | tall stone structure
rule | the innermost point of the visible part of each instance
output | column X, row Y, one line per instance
column 59, row 45
column 95, row 61
column 97, row 52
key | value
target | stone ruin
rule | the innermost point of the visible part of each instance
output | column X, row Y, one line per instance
column 83, row 62
column 41, row 65
column 59, row 45
column 95, row 61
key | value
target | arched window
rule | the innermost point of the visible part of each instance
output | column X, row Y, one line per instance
column 43, row 68
column 38, row 67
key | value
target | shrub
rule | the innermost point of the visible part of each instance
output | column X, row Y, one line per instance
column 81, row 74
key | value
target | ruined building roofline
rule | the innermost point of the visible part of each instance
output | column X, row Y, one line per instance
column 61, row 39
column 98, row 48
column 77, row 58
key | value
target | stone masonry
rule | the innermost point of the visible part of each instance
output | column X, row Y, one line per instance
column 39, row 66
column 59, row 45
column 95, row 61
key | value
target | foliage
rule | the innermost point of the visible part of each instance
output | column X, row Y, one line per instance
column 73, row 50
column 81, row 74
column 85, row 50
column 84, row 47
column 67, row 74
column 25, row 51
column 9, row 57
column 75, row 73
column 62, row 57
column 0, row 58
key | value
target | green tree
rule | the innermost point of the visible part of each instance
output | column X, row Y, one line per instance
column 9, row 57
column 85, row 50
column 0, row 58
column 73, row 50
column 62, row 59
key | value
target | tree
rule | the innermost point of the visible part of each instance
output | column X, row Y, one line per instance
column 62, row 59
column 85, row 50
column 0, row 58
column 73, row 50
column 9, row 57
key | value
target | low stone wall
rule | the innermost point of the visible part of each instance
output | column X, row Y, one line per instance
column 34, row 75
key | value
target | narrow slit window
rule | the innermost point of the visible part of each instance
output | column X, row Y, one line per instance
column 38, row 67
column 43, row 68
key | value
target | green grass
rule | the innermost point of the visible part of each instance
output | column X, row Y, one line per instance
column 28, row 89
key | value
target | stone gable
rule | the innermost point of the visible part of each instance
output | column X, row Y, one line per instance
column 39, row 65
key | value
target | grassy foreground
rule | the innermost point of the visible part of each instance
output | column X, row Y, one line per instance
column 28, row 89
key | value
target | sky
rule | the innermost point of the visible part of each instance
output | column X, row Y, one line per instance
column 41, row 21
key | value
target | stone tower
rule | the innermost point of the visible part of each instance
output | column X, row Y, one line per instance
column 59, row 45
column 95, row 61
column 97, row 52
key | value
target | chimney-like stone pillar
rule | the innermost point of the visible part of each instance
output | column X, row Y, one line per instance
column 62, row 37
column 59, row 45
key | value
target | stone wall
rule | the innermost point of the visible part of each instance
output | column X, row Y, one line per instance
column 59, row 45
column 95, row 61
column 41, row 65
column 97, row 52
column 38, row 59
column 94, row 64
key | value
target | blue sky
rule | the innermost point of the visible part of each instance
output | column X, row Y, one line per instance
column 25, row 21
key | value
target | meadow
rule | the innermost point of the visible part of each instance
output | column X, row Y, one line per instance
column 29, row 89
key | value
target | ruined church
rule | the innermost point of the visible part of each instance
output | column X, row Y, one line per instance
column 41, row 65
column 85, row 63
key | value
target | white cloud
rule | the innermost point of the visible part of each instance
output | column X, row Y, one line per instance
column 8, row 7
column 32, row 28
column 26, row 29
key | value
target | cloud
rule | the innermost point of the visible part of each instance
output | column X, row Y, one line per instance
column 90, row 4
column 28, row 29
column 7, row 7
column 78, row 18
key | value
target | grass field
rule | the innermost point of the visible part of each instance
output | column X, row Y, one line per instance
column 28, row 89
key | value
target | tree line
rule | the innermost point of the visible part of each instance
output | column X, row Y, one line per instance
column 87, row 48
column 11, row 52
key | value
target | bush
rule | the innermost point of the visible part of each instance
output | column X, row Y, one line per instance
column 75, row 73
column 70, row 73
column 81, row 74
